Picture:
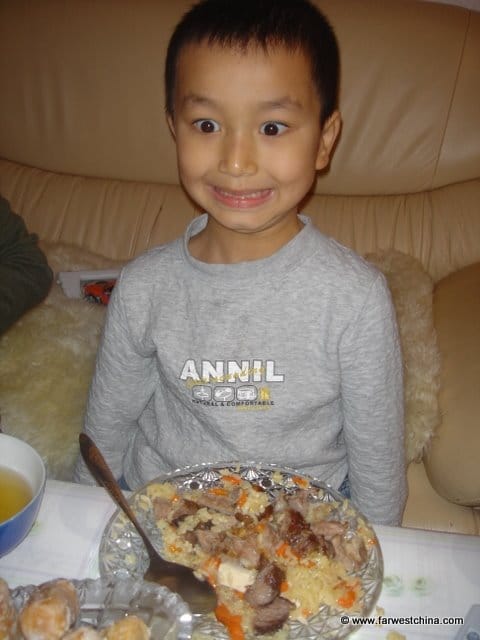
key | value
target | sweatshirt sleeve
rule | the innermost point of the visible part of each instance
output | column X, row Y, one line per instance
column 373, row 401
column 25, row 276
column 124, row 380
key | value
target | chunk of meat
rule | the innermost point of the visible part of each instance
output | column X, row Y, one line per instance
column 273, row 616
column 191, row 537
column 300, row 501
column 266, row 513
column 246, row 550
column 161, row 508
column 223, row 503
column 280, row 505
column 266, row 586
column 174, row 512
column 182, row 509
column 269, row 538
column 244, row 518
column 295, row 530
column 212, row 542
column 326, row 547
column 328, row 528
column 351, row 552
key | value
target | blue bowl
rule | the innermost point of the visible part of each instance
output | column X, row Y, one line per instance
column 19, row 456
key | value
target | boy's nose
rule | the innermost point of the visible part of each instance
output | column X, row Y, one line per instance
column 238, row 157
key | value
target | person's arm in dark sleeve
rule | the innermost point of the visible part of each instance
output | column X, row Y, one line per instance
column 25, row 276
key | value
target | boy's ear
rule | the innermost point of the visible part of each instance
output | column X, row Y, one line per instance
column 171, row 124
column 330, row 132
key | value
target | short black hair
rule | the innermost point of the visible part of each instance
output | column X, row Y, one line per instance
column 293, row 24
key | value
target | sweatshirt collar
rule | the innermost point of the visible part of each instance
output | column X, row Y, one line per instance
column 288, row 257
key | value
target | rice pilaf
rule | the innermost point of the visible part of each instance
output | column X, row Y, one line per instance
column 270, row 558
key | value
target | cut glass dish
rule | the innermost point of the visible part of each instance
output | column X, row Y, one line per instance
column 122, row 552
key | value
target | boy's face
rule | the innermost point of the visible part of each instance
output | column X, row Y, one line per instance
column 248, row 134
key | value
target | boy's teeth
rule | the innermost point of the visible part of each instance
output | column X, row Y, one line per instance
column 244, row 195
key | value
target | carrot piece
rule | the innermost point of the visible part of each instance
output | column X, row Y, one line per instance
column 283, row 586
column 348, row 599
column 283, row 550
column 232, row 479
column 303, row 483
column 232, row 622
column 218, row 491
column 242, row 499
column 286, row 551
column 210, row 566
column 174, row 549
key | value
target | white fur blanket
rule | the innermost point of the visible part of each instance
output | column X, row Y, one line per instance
column 46, row 363
column 412, row 293
column 47, row 359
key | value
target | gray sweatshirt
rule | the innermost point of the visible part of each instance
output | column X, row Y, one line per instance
column 292, row 359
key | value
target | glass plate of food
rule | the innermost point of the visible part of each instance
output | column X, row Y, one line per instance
column 289, row 556
column 95, row 609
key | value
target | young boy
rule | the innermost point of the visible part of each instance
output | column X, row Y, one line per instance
column 254, row 337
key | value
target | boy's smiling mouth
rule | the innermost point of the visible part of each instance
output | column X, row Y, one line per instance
column 244, row 199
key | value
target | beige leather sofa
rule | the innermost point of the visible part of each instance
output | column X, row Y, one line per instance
column 86, row 158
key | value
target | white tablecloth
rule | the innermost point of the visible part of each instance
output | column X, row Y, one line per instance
column 427, row 574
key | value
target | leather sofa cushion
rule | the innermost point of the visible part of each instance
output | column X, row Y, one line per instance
column 87, row 92
column 452, row 463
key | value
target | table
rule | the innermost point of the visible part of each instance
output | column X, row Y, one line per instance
column 427, row 574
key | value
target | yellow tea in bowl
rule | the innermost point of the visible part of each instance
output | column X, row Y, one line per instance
column 15, row 493
column 22, row 485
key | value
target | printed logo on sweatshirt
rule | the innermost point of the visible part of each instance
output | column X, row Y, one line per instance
column 229, row 383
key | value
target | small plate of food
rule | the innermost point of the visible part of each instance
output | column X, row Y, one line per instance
column 289, row 557
column 93, row 609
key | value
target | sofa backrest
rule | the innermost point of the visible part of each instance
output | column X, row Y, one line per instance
column 86, row 156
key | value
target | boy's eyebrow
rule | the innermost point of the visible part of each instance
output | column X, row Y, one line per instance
column 194, row 98
column 284, row 102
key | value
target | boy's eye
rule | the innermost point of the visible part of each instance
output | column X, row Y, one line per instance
column 273, row 128
column 207, row 126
